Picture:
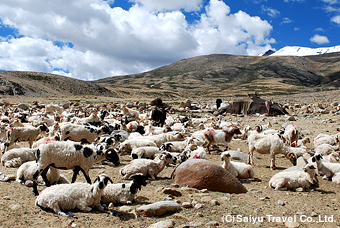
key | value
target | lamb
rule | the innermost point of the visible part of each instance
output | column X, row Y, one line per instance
column 145, row 152
column 237, row 169
column 30, row 134
column 325, row 168
column 220, row 136
column 17, row 156
column 296, row 178
column 92, row 118
column 146, row 167
column 128, row 145
column 290, row 135
column 82, row 196
column 26, row 171
column 121, row 193
column 70, row 155
column 268, row 144
column 81, row 133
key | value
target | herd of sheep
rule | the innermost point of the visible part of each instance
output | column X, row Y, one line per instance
column 78, row 137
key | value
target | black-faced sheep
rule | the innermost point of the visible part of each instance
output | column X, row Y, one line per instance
column 82, row 196
column 18, row 134
column 81, row 133
column 70, row 155
column 121, row 193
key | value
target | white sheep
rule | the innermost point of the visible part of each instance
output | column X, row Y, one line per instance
column 81, row 133
column 145, row 152
column 18, row 134
column 238, row 155
column 166, row 137
column 220, row 137
column 296, row 178
column 146, row 167
column 325, row 168
column 326, row 139
column 26, row 171
column 237, row 169
column 121, row 193
column 51, row 108
column 301, row 143
column 198, row 152
column 82, row 196
column 17, row 156
column 291, row 134
column 70, row 155
column 128, row 145
column 92, row 118
column 268, row 144
column 130, row 112
column 336, row 178
column 325, row 149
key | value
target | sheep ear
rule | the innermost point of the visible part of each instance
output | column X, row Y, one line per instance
column 97, row 179
column 313, row 159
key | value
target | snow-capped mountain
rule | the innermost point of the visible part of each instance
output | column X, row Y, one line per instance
column 304, row 51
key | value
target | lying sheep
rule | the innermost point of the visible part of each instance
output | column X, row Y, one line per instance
column 82, row 196
column 26, row 171
column 121, row 193
column 17, row 156
column 220, row 137
column 18, row 134
column 326, row 139
column 130, row 112
column 325, row 168
column 237, row 169
column 70, row 155
column 51, row 108
column 145, row 152
column 238, row 155
column 146, row 167
column 297, row 178
column 166, row 137
column 128, row 145
column 198, row 153
column 82, row 133
column 268, row 144
column 325, row 149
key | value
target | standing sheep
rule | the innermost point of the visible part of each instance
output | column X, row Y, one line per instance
column 70, row 155
column 220, row 136
column 18, row 134
column 82, row 196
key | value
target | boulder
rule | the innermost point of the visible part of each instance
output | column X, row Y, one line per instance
column 158, row 208
column 204, row 174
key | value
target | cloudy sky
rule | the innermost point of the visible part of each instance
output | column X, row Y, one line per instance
column 93, row 39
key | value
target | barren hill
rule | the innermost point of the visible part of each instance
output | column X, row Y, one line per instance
column 45, row 85
column 203, row 76
column 220, row 75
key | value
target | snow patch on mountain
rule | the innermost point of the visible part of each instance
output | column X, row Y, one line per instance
column 305, row 51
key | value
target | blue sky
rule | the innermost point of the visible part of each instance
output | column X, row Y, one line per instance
column 93, row 39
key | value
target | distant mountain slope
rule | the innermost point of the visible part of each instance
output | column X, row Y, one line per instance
column 216, row 75
column 44, row 85
column 304, row 51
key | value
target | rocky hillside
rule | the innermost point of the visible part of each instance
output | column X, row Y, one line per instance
column 45, row 85
column 220, row 75
column 203, row 76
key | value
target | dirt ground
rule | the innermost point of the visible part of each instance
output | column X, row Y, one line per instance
column 316, row 208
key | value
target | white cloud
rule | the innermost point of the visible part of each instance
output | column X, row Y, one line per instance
column 319, row 30
column 113, row 41
column 286, row 20
column 166, row 5
column 271, row 12
column 331, row 1
column 319, row 39
column 336, row 19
